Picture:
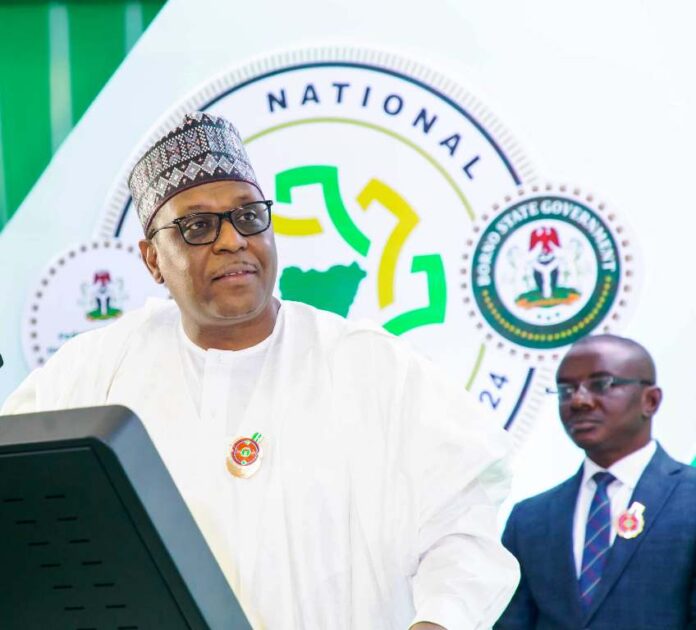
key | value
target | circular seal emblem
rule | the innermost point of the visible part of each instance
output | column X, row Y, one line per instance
column 548, row 267
column 85, row 287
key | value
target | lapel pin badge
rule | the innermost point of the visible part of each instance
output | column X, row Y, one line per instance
column 631, row 522
column 244, row 456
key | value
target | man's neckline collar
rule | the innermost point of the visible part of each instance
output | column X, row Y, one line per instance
column 627, row 470
column 232, row 355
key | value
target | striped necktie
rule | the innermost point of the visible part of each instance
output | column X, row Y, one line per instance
column 597, row 539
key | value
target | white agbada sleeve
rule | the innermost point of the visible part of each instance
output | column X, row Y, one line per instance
column 55, row 385
column 80, row 373
column 456, row 464
column 465, row 577
column 23, row 399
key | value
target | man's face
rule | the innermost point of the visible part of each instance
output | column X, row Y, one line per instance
column 617, row 421
column 229, row 281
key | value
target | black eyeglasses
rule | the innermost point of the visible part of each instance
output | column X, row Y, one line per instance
column 203, row 228
column 597, row 385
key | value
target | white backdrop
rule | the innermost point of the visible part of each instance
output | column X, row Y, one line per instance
column 598, row 94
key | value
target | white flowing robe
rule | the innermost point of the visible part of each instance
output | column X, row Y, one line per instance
column 375, row 504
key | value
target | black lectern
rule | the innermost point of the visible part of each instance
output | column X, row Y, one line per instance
column 94, row 534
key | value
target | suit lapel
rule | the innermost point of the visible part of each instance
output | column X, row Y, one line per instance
column 559, row 553
column 655, row 486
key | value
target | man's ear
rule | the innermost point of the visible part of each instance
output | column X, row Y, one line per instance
column 652, row 397
column 148, row 252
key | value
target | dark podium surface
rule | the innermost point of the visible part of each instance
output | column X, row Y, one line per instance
column 95, row 535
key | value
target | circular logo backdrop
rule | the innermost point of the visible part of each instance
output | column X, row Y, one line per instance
column 83, row 288
column 549, row 267
column 381, row 169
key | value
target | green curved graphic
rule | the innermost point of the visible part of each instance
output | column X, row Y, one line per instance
column 434, row 313
column 477, row 367
column 327, row 178
column 313, row 286
column 284, row 183
column 330, row 292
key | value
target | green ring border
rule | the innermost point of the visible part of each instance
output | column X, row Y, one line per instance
column 615, row 276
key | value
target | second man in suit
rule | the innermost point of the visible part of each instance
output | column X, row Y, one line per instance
column 613, row 547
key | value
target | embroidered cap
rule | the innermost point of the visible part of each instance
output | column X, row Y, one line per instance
column 202, row 148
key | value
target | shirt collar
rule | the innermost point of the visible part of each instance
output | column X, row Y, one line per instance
column 228, row 356
column 627, row 470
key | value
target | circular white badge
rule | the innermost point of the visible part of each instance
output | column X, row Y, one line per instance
column 548, row 267
column 85, row 287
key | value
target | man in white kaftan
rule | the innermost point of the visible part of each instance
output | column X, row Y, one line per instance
column 375, row 503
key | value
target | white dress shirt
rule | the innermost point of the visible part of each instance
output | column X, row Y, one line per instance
column 221, row 382
column 627, row 472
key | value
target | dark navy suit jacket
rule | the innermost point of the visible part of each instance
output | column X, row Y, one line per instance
column 648, row 582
